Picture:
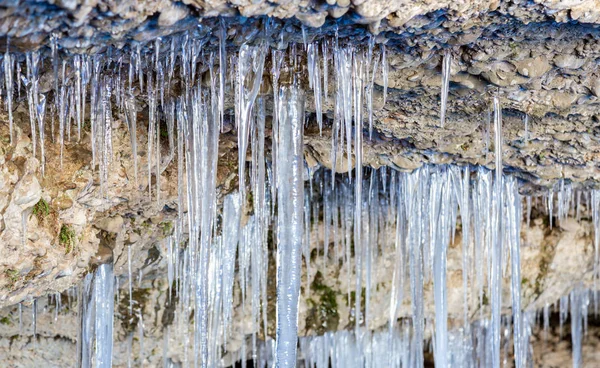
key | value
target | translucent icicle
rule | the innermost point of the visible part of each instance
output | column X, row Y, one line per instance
column 576, row 328
column 222, row 70
column 497, row 236
column 41, row 116
column 8, row 79
column 526, row 122
column 289, row 222
column 250, row 70
column 514, row 238
column 314, row 79
column 446, row 61
column 231, row 221
column 104, row 312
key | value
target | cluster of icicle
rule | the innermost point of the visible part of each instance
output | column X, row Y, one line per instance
column 210, row 243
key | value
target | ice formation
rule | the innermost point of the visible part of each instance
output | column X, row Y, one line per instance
column 216, row 247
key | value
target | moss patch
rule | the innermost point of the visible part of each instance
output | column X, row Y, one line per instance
column 546, row 256
column 139, row 298
column 67, row 238
column 323, row 315
column 13, row 277
column 167, row 228
column 41, row 210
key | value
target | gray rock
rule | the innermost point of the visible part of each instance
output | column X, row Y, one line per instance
column 111, row 224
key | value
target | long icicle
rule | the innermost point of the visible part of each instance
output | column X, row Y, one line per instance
column 290, row 223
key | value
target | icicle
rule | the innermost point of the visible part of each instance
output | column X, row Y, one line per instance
column 130, row 280
column 276, row 64
column 497, row 236
column 314, row 80
column 41, row 115
column 465, row 213
column 222, row 70
column 24, row 217
column 441, row 202
column 526, row 122
column 34, row 313
column 370, row 86
column 231, row 221
column 358, row 88
column 8, row 78
column 514, row 238
column 551, row 206
column 289, row 221
column 104, row 311
column 576, row 328
column 251, row 62
column 131, row 118
column 325, row 59
column 447, row 60
column 384, row 72
column 595, row 208
column 86, row 328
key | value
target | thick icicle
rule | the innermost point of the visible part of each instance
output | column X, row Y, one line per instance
column 440, row 216
column 104, row 312
column 249, row 78
column 576, row 328
column 290, row 223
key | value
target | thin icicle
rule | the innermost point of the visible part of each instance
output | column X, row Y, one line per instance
column 8, row 79
column 513, row 236
column 314, row 80
column 384, row 72
column 526, row 122
column 497, row 235
column 446, row 62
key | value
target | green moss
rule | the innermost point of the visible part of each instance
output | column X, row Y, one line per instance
column 539, row 280
column 139, row 298
column 484, row 299
column 167, row 228
column 67, row 238
column 352, row 304
column 5, row 320
column 250, row 198
column 322, row 315
column 13, row 276
column 41, row 209
column 164, row 132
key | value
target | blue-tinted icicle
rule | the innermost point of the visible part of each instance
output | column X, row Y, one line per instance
column 290, row 223
column 497, row 236
column 446, row 61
